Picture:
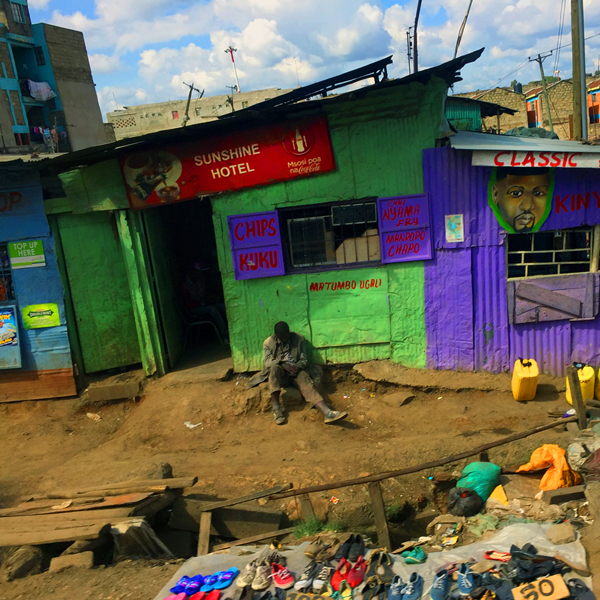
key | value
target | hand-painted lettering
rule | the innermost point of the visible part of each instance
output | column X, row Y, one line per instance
column 9, row 200
column 543, row 160
column 513, row 160
column 529, row 160
column 572, row 156
column 497, row 161
column 555, row 162
column 560, row 204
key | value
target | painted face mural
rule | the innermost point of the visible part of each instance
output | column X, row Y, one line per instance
column 521, row 198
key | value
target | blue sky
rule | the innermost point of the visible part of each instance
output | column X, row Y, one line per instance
column 142, row 51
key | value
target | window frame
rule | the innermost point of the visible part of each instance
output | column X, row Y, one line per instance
column 594, row 250
column 40, row 58
column 285, row 214
column 18, row 13
column 175, row 114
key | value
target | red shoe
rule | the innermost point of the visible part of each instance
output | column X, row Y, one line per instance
column 357, row 573
column 282, row 578
column 214, row 595
column 341, row 573
column 198, row 596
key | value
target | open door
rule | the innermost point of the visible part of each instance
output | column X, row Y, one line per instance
column 164, row 280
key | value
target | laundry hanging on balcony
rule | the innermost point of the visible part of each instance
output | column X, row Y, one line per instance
column 40, row 90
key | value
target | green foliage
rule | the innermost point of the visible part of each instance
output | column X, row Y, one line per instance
column 308, row 527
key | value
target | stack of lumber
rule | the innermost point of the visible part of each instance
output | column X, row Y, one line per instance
column 86, row 514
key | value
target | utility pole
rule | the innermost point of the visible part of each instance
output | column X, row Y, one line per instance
column 231, row 50
column 187, row 108
column 580, row 104
column 462, row 29
column 233, row 89
column 409, row 49
column 540, row 60
column 416, row 44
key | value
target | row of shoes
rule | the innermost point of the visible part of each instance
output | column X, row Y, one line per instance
column 259, row 574
column 203, row 587
column 325, row 579
column 322, row 550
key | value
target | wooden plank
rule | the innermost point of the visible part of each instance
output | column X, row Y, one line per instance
column 255, row 496
column 106, row 514
column 204, row 534
column 254, row 538
column 116, row 489
column 7, row 526
column 555, row 300
column 155, row 503
column 16, row 386
column 306, row 506
column 381, row 525
column 510, row 297
column 577, row 397
column 239, row 521
column 588, row 309
column 26, row 538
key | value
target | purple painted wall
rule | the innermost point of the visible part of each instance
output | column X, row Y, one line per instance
column 465, row 284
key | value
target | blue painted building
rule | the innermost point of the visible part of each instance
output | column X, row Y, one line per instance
column 64, row 97
column 39, row 365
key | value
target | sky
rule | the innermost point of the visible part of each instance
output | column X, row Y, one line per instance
column 141, row 51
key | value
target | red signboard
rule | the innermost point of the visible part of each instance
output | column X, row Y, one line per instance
column 231, row 162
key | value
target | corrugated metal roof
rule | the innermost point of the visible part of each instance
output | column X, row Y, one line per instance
column 470, row 140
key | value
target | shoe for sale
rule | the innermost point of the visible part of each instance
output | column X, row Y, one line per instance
column 395, row 589
column 181, row 585
column 282, row 578
column 314, row 548
column 467, row 580
column 247, row 576
column 181, row 596
column 197, row 596
column 305, row 581
column 341, row 574
column 328, row 591
column 276, row 557
column 345, row 591
column 194, row 585
column 328, row 551
column 414, row 557
column 357, row 573
column 344, row 549
column 261, row 579
column 214, row 595
column 334, row 415
column 357, row 549
column 383, row 567
column 225, row 579
column 413, row 589
column 210, row 582
column 323, row 577
column 579, row 590
column 441, row 585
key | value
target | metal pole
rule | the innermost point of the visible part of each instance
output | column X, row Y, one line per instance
column 416, row 44
column 584, row 101
column 231, row 50
column 462, row 29
column 577, row 77
column 541, row 61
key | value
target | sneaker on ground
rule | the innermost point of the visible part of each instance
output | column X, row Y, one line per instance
column 413, row 589
column 261, row 578
column 282, row 578
column 248, row 574
column 441, row 585
column 323, row 577
column 395, row 589
column 305, row 580
column 334, row 415
column 276, row 557
column 466, row 580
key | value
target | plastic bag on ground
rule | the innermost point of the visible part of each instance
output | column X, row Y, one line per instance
column 553, row 458
column 483, row 477
column 586, row 443
column 464, row 502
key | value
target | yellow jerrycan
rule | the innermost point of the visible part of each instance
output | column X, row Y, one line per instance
column 525, row 379
column 587, row 379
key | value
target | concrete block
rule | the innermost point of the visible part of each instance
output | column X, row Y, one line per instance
column 26, row 560
column 97, row 392
column 575, row 492
column 562, row 533
column 83, row 559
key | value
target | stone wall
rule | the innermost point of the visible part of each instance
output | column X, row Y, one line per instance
column 509, row 99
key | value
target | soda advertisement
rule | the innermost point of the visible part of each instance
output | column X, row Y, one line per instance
column 209, row 166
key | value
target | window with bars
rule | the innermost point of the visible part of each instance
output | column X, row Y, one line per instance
column 7, row 291
column 18, row 12
column 40, row 59
column 545, row 253
column 331, row 236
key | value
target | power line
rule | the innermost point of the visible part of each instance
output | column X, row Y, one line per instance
column 561, row 26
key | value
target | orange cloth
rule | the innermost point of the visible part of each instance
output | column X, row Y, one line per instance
column 559, row 473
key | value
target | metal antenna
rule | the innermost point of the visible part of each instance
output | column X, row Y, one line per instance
column 231, row 50
column 187, row 108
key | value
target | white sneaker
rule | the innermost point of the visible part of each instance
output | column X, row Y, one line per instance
column 247, row 577
column 323, row 577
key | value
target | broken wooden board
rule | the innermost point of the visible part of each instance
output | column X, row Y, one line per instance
column 254, row 538
column 238, row 521
column 254, row 496
column 37, row 538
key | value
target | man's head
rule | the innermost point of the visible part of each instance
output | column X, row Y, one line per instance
column 282, row 331
column 522, row 196
column 197, row 271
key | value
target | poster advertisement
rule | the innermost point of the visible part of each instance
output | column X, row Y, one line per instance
column 24, row 255
column 10, row 351
column 455, row 231
column 38, row 316
column 521, row 198
column 257, row 156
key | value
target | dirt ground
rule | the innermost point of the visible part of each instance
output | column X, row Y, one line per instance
column 238, row 449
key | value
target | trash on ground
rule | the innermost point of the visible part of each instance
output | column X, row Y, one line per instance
column 189, row 425
column 93, row 416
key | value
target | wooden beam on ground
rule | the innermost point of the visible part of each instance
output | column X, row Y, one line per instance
column 204, row 536
column 577, row 397
column 307, row 507
column 255, row 538
column 255, row 496
column 423, row 467
column 381, row 525
column 37, row 538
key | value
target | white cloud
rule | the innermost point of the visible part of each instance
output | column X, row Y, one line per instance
column 102, row 63
column 38, row 4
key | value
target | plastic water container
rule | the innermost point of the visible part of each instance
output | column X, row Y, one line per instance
column 587, row 380
column 525, row 379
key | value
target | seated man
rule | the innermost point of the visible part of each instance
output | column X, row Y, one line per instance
column 285, row 364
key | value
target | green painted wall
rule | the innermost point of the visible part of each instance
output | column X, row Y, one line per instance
column 378, row 142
